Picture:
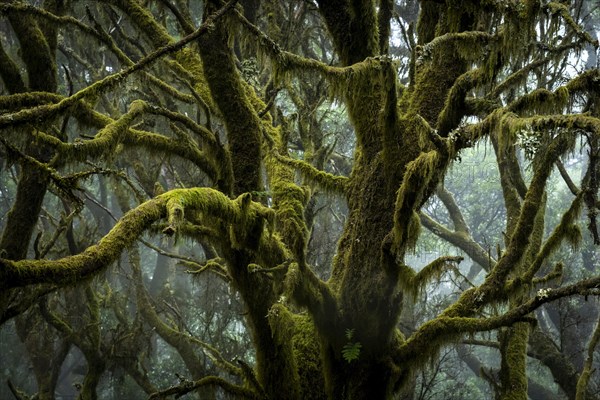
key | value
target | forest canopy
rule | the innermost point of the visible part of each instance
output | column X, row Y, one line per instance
column 299, row 199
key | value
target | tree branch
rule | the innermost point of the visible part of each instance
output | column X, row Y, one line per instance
column 67, row 270
column 584, row 378
column 464, row 242
column 188, row 386
column 443, row 329
column 47, row 111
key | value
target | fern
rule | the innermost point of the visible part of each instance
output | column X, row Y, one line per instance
column 351, row 350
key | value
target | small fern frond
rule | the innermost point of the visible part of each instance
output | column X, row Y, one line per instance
column 351, row 351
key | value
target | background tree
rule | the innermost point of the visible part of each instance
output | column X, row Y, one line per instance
column 243, row 141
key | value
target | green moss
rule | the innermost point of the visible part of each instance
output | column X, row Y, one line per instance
column 353, row 27
column 36, row 52
column 289, row 199
column 215, row 160
column 329, row 182
column 106, row 139
column 442, row 56
column 232, row 99
column 513, row 375
column 582, row 383
column 281, row 321
column 541, row 101
column 427, row 22
column 586, row 82
column 419, row 175
column 562, row 10
column 513, row 340
column 308, row 359
column 556, row 273
column 453, row 110
column 187, row 60
column 25, row 100
column 567, row 229
column 468, row 45
column 158, row 34
column 246, row 218
column 72, row 269
column 191, row 63
column 413, row 283
column 155, row 143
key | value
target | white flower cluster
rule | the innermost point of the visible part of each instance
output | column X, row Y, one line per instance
column 529, row 141
column 543, row 293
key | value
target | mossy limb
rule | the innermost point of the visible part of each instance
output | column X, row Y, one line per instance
column 97, row 257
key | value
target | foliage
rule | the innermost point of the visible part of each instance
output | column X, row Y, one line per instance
column 351, row 350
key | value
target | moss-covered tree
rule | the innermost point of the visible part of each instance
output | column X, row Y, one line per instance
column 477, row 71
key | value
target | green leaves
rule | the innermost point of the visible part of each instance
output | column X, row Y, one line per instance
column 351, row 350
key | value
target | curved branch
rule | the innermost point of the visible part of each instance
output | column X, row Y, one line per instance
column 563, row 11
column 455, row 214
column 455, row 107
column 188, row 386
column 95, row 258
column 414, row 283
column 106, row 139
column 464, row 41
column 519, row 76
column 286, row 61
column 565, row 230
column 47, row 111
column 540, row 100
column 420, row 174
column 156, row 142
column 184, row 343
column 36, row 52
column 59, row 20
column 305, row 288
column 247, row 217
column 443, row 329
column 328, row 182
column 567, row 178
column 583, row 122
column 29, row 99
column 117, row 131
column 493, row 288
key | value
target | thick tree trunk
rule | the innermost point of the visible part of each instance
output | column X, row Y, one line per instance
column 276, row 370
column 38, row 55
column 91, row 380
column 514, row 356
column 367, row 285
